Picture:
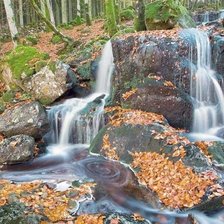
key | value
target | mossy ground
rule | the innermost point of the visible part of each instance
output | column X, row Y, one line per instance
column 22, row 60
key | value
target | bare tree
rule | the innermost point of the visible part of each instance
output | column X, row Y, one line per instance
column 11, row 20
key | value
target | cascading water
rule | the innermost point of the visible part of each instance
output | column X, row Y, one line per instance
column 206, row 91
column 69, row 123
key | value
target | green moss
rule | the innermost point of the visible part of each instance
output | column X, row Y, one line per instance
column 52, row 66
column 22, row 60
column 56, row 39
column 162, row 14
column 111, row 25
column 39, row 65
column 127, row 14
column 45, row 101
column 77, row 21
column 84, row 71
column 32, row 40
column 8, row 96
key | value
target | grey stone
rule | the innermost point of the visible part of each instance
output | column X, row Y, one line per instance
column 29, row 119
column 16, row 149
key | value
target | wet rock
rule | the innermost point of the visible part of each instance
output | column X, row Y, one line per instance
column 218, row 53
column 158, row 97
column 138, row 56
column 16, row 149
column 216, row 150
column 94, row 68
column 142, row 138
column 27, row 118
column 47, row 85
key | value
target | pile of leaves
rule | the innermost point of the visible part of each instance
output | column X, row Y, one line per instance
column 177, row 186
column 129, row 116
column 108, row 150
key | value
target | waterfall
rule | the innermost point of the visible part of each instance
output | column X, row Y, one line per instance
column 206, row 17
column 205, row 90
column 77, row 120
column 221, row 14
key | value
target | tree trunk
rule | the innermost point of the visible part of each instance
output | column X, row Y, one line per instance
column 78, row 8
column 140, row 16
column 87, row 9
column 64, row 11
column 21, row 22
column 58, row 17
column 42, row 6
column 70, row 12
column 11, row 20
column 67, row 40
column 110, row 17
column 49, row 7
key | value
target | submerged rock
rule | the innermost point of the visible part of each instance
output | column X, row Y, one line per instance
column 16, row 149
column 27, row 118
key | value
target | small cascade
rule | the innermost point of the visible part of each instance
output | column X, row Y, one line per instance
column 206, row 17
column 206, row 91
column 78, row 120
column 221, row 14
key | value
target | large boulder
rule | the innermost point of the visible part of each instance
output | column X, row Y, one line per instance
column 46, row 85
column 27, row 118
column 136, row 57
column 163, row 159
column 16, row 149
column 164, row 55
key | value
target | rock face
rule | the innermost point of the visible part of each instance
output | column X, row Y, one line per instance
column 46, row 86
column 16, row 149
column 29, row 119
column 218, row 53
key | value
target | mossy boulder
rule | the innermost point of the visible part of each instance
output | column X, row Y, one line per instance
column 22, row 61
column 134, row 136
column 163, row 14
